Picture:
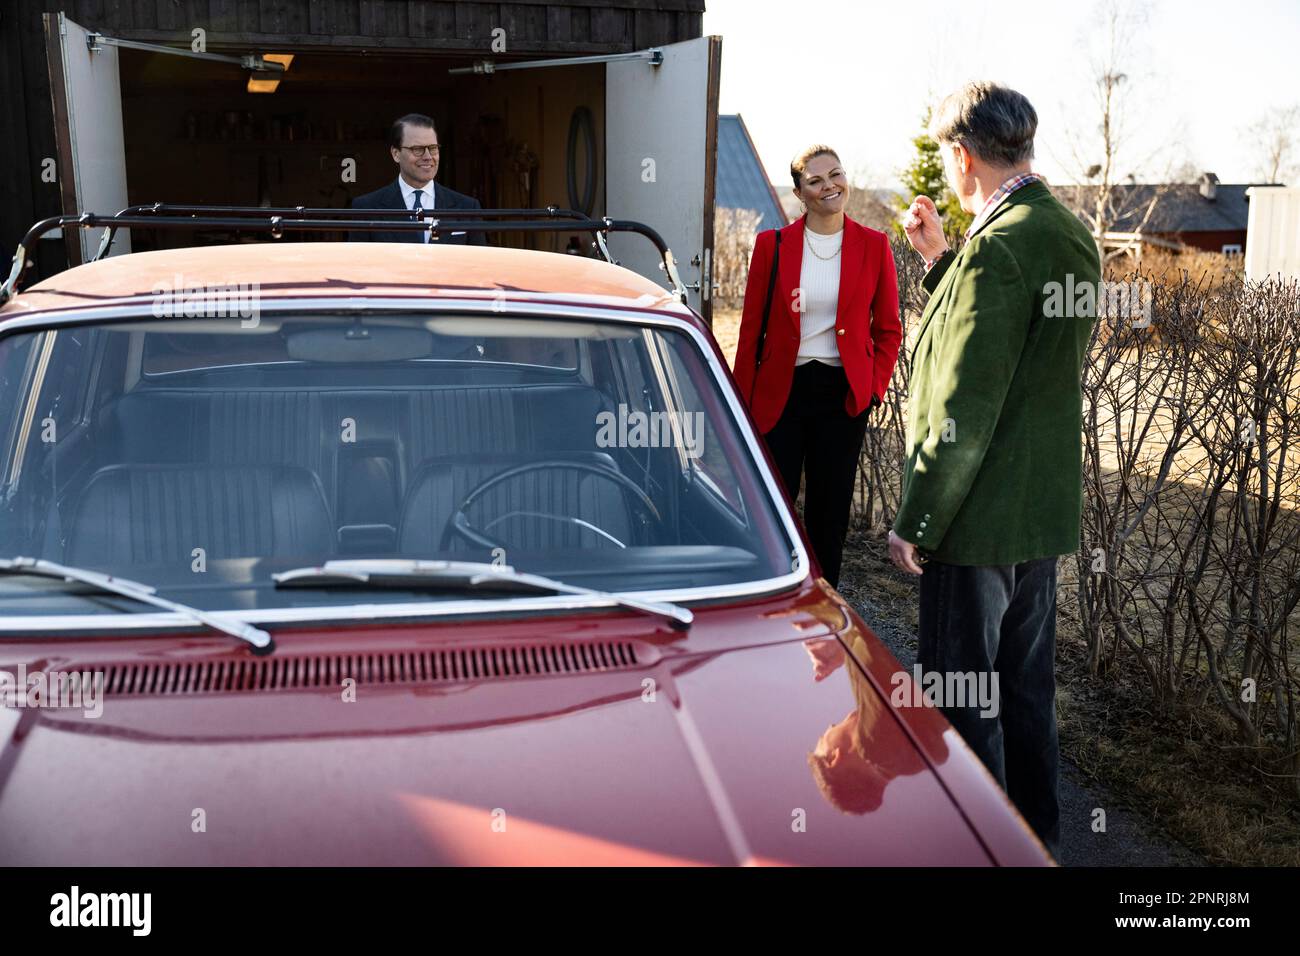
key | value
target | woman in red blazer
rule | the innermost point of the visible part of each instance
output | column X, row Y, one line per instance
column 831, row 343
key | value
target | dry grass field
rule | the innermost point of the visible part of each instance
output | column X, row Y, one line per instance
column 726, row 329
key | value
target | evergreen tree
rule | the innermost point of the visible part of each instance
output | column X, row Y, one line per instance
column 924, row 176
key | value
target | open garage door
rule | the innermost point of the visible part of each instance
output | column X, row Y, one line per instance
column 88, row 124
column 661, row 135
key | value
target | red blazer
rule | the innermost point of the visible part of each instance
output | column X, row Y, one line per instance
column 867, row 326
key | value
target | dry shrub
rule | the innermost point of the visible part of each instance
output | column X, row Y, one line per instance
column 1190, row 566
column 1212, row 268
column 734, row 231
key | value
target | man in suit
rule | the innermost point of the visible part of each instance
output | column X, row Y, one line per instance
column 413, row 144
column 993, row 485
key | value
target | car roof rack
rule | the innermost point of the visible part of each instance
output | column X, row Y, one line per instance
column 277, row 221
column 305, row 212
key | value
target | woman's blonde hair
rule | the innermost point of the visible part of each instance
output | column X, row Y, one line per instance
column 800, row 162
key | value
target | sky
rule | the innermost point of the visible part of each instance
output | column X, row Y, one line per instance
column 857, row 75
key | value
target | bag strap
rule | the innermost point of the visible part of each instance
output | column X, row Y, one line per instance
column 767, row 310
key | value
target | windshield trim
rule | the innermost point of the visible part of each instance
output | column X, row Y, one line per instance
column 414, row 611
column 425, row 609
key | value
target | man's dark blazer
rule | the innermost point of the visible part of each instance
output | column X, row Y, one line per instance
column 390, row 197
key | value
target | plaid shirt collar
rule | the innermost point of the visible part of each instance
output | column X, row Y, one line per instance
column 1001, row 193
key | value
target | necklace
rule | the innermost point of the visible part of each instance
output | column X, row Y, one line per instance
column 808, row 241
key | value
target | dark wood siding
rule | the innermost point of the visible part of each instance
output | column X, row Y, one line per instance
column 533, row 27
column 26, row 137
column 1210, row 241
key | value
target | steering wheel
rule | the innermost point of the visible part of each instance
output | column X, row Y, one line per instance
column 459, row 521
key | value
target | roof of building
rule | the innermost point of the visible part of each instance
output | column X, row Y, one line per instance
column 346, row 269
column 1181, row 207
column 742, row 181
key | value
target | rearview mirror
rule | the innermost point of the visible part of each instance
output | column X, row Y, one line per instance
column 360, row 343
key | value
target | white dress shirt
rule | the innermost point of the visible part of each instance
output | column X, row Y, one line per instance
column 408, row 197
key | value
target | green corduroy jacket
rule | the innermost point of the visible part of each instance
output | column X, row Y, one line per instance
column 994, row 446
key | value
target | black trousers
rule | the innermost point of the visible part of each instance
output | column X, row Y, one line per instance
column 817, row 439
column 1000, row 620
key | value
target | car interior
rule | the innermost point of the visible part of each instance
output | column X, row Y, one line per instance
column 317, row 437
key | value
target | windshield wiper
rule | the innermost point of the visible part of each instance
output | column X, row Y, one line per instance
column 107, row 584
column 458, row 575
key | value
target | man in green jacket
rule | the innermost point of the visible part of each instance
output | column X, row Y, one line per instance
column 993, row 487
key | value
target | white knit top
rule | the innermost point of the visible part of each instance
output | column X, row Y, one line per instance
column 819, row 279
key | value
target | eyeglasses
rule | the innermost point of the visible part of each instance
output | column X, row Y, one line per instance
column 422, row 150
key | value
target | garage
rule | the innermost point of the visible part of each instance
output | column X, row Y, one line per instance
column 606, row 109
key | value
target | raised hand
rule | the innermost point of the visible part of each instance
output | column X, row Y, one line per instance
column 923, row 228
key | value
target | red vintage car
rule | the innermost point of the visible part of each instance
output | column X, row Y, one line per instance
column 337, row 554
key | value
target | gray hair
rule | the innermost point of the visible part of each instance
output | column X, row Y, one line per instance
column 994, row 122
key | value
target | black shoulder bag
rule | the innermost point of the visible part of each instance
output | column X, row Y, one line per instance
column 767, row 310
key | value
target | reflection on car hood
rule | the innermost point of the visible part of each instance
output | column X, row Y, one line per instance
column 704, row 752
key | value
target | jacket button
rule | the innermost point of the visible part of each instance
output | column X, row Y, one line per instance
column 839, row 331
column 927, row 517
column 920, row 534
column 922, row 524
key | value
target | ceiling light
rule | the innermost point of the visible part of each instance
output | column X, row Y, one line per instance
column 269, row 83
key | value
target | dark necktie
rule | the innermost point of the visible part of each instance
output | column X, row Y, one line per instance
column 416, row 206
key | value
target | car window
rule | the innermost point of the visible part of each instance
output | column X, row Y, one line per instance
column 706, row 455
column 210, row 454
column 64, row 377
column 17, row 355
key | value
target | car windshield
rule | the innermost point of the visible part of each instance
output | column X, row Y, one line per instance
column 204, row 456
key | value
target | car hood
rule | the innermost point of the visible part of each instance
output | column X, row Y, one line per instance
column 700, row 752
